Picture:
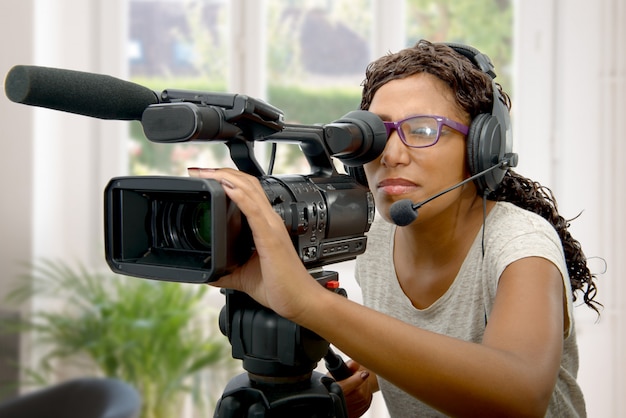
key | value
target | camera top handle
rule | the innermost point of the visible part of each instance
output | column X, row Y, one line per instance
column 239, row 120
column 236, row 119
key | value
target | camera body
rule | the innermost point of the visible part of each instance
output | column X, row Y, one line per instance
column 187, row 230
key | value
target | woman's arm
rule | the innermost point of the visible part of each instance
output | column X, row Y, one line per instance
column 513, row 371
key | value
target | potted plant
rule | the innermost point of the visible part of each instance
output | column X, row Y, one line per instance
column 154, row 335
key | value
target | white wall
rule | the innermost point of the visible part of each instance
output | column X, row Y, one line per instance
column 16, row 142
column 570, row 96
column 55, row 165
column 75, row 155
column 16, row 175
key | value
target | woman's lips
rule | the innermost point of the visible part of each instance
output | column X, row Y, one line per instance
column 396, row 187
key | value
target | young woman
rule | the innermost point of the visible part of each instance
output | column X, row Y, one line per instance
column 468, row 309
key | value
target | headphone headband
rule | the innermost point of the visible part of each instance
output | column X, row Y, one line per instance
column 480, row 60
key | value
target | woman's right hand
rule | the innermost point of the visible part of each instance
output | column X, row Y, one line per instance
column 274, row 275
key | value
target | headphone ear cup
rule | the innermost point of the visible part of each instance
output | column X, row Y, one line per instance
column 473, row 143
column 358, row 174
column 485, row 149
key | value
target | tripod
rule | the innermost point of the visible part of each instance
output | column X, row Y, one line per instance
column 279, row 357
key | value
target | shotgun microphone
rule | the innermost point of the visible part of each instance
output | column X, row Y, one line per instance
column 87, row 94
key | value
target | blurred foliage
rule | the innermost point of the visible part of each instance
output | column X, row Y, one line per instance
column 157, row 336
column 310, row 105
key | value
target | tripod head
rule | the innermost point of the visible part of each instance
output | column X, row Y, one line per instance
column 279, row 357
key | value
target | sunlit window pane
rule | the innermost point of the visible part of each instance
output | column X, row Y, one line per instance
column 483, row 24
column 317, row 54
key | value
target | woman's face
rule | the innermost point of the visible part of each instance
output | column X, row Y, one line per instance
column 401, row 172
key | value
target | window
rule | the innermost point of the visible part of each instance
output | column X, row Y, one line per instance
column 484, row 24
column 315, row 54
column 316, row 51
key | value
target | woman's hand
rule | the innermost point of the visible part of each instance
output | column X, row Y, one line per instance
column 274, row 276
column 358, row 389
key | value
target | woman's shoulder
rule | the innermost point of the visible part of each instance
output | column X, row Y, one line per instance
column 508, row 217
column 513, row 232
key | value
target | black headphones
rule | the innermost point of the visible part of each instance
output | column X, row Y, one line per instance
column 489, row 140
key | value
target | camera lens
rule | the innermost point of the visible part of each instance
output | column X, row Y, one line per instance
column 201, row 221
column 186, row 225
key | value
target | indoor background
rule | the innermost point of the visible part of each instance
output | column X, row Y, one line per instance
column 562, row 61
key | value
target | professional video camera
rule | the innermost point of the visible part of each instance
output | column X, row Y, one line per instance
column 185, row 229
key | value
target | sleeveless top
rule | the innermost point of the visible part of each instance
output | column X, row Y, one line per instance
column 511, row 233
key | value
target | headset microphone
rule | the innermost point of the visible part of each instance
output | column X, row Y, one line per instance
column 403, row 212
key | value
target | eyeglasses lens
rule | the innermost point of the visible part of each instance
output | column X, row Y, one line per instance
column 421, row 131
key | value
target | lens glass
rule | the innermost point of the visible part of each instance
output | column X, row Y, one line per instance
column 201, row 221
column 185, row 225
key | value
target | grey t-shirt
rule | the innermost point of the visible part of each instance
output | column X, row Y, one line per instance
column 511, row 233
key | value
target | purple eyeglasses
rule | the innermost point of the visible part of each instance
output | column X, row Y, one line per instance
column 422, row 131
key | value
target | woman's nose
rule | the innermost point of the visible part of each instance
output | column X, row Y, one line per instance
column 395, row 152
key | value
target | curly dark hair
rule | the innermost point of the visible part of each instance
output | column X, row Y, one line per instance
column 474, row 94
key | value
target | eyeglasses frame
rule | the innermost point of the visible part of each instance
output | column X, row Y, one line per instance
column 441, row 121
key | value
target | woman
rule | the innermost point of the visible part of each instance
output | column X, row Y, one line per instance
column 469, row 307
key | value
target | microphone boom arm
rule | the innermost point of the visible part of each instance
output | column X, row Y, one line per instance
column 506, row 162
column 403, row 212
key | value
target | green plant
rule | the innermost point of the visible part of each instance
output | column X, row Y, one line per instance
column 147, row 333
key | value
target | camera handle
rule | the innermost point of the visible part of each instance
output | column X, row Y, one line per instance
column 279, row 357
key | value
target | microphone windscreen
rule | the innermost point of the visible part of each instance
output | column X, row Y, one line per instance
column 95, row 95
column 402, row 212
